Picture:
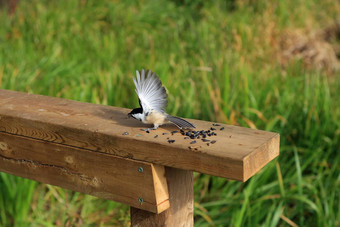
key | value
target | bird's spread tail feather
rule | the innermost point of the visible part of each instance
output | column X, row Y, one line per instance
column 180, row 123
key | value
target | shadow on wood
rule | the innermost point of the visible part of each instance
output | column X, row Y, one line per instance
column 180, row 183
column 98, row 174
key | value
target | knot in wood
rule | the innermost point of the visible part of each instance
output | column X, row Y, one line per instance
column 4, row 146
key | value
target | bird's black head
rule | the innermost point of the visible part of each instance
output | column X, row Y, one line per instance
column 135, row 111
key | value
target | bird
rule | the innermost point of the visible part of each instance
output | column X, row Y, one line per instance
column 152, row 98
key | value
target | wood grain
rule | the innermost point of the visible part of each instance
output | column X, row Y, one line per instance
column 95, row 173
column 180, row 183
column 238, row 153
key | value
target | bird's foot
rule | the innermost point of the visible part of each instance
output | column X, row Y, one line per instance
column 148, row 129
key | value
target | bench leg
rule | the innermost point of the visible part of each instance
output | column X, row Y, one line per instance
column 181, row 211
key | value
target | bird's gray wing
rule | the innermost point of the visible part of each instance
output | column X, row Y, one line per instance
column 152, row 95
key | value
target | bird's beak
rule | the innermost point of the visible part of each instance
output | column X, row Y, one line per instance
column 129, row 115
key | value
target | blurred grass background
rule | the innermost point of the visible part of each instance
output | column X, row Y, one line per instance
column 227, row 61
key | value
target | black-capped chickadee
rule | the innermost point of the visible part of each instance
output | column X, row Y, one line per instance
column 153, row 101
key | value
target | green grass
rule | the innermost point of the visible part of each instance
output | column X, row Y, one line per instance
column 219, row 63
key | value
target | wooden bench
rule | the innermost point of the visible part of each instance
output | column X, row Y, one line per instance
column 97, row 150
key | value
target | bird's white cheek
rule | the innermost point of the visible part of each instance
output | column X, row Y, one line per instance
column 138, row 117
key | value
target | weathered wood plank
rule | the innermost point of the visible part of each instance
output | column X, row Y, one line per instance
column 238, row 153
column 95, row 173
column 181, row 214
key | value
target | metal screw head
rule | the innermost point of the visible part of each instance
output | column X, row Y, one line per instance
column 140, row 200
column 140, row 169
